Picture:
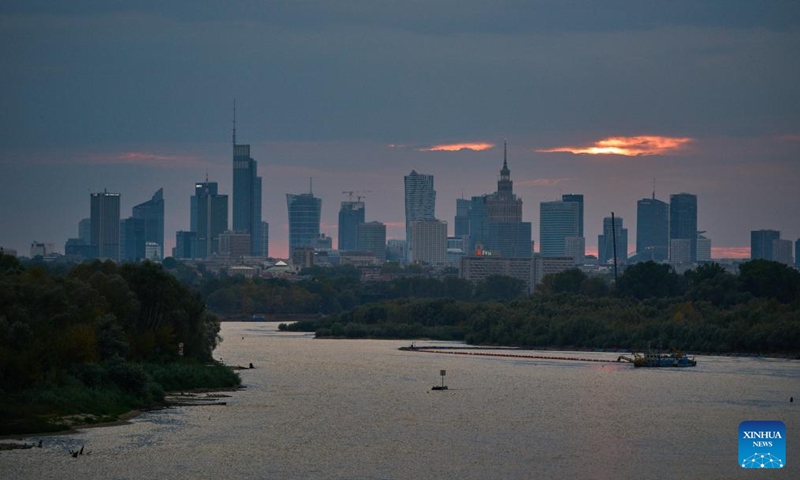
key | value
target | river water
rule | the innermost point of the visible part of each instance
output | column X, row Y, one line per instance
column 362, row 409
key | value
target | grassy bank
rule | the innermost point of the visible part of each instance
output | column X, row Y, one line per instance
column 97, row 393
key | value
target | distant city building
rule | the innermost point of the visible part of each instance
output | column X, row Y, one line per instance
column 680, row 251
column 557, row 221
column 8, row 251
column 351, row 215
column 420, row 203
column 478, row 268
column 153, row 252
column 605, row 242
column 212, row 218
column 761, row 243
column 652, row 229
column 782, row 251
column 302, row 256
column 683, row 223
column 265, row 238
column 575, row 247
column 304, row 217
column 151, row 213
column 246, row 194
column 105, row 208
column 429, row 242
column 234, row 243
column 797, row 253
column 85, row 231
column 132, row 239
column 185, row 245
column 42, row 249
column 396, row 250
column 371, row 237
column 495, row 220
column 322, row 243
column 703, row 248
column 543, row 266
column 576, row 198
column 461, row 223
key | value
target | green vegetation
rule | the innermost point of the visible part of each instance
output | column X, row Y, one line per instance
column 98, row 341
column 706, row 309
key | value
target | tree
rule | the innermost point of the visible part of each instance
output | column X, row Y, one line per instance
column 648, row 280
column 499, row 288
column 764, row 278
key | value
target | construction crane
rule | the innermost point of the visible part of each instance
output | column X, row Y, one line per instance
column 359, row 194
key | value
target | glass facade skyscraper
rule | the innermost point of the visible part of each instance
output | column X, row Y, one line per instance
column 247, row 197
column 420, row 200
column 304, row 217
column 683, row 221
column 351, row 215
column 212, row 218
column 761, row 243
column 151, row 213
column 605, row 242
column 652, row 230
column 105, row 224
column 557, row 221
column 462, row 217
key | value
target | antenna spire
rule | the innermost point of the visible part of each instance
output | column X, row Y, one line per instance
column 206, row 175
column 234, row 121
column 654, row 189
column 505, row 158
column 311, row 185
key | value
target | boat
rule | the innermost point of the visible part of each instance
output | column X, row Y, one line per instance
column 653, row 359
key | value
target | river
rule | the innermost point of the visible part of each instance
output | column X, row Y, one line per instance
column 362, row 409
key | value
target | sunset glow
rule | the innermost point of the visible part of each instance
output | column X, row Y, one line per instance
column 454, row 147
column 628, row 146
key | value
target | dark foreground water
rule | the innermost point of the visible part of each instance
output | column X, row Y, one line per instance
column 364, row 410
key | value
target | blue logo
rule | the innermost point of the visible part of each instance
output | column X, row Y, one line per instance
column 762, row 444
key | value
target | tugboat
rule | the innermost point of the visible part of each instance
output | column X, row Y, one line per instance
column 656, row 359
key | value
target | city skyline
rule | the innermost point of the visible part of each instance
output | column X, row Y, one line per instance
column 598, row 100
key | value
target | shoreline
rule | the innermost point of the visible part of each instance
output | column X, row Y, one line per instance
column 124, row 418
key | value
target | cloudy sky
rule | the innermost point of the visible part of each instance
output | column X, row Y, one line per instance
column 598, row 98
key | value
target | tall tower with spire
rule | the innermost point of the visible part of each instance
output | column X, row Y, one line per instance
column 495, row 220
column 246, row 194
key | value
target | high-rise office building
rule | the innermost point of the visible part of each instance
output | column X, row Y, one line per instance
column 703, row 248
column 576, row 198
column 185, row 245
column 429, row 239
column 557, row 221
column 304, row 217
column 351, row 215
column 782, row 251
column 246, row 194
column 462, row 217
column 85, row 231
column 575, row 247
column 495, row 220
column 105, row 224
column 212, row 217
column 132, row 239
column 265, row 238
column 420, row 200
column 652, row 229
column 683, row 221
column 761, row 243
column 151, row 213
column 605, row 243
column 797, row 253
column 372, row 238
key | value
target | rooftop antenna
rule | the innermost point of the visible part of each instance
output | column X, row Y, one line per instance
column 311, row 185
column 206, row 175
column 234, row 121
column 505, row 163
column 654, row 189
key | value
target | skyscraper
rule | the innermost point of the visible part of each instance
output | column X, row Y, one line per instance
column 429, row 238
column 761, row 243
column 652, row 229
column 151, row 213
column 372, row 238
column 420, row 199
column 462, row 217
column 132, row 239
column 782, row 251
column 105, row 224
column 351, row 215
column 557, row 221
column 495, row 220
column 85, row 231
column 304, row 216
column 246, row 194
column 576, row 198
column 605, row 242
column 683, row 221
column 212, row 217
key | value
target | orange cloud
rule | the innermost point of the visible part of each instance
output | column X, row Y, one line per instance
column 454, row 147
column 628, row 146
column 143, row 158
column 730, row 252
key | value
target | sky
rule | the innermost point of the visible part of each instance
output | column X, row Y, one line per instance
column 599, row 98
